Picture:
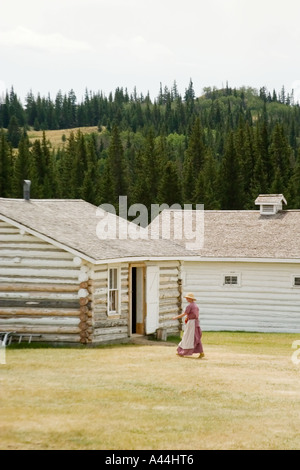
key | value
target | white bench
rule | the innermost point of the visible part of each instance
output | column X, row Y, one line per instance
column 4, row 337
column 8, row 337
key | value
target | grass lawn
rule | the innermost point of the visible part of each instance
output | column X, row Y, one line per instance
column 244, row 395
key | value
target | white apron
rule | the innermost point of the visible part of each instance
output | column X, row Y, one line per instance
column 188, row 340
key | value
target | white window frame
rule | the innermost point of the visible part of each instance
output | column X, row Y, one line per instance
column 116, row 289
column 228, row 274
column 294, row 277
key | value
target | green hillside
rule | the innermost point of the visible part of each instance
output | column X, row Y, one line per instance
column 221, row 149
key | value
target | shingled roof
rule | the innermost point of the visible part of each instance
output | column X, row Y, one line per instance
column 227, row 234
column 73, row 223
column 241, row 234
column 270, row 199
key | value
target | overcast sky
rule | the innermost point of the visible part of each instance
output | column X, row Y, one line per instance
column 46, row 46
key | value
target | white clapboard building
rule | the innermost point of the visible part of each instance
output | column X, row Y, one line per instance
column 246, row 276
column 61, row 281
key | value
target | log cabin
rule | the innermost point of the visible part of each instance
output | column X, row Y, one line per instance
column 61, row 281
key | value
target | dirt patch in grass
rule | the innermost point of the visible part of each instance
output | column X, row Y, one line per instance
column 244, row 395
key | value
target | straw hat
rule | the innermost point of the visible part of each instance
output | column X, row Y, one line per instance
column 190, row 295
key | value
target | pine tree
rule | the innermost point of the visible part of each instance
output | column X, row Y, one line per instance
column 15, row 108
column 169, row 190
column 206, row 190
column 190, row 93
column 175, row 92
column 244, row 143
column 259, row 182
column 79, row 164
column 31, row 110
column 194, row 160
column 41, row 170
column 14, row 132
column 72, row 109
column 278, row 186
column 150, row 160
column 107, row 193
column 231, row 181
column 293, row 194
column 262, row 148
column 116, row 167
column 280, row 153
column 5, row 167
column 89, row 191
column 48, row 180
column 36, row 170
column 91, row 183
column 66, row 180
column 21, row 167
column 150, row 171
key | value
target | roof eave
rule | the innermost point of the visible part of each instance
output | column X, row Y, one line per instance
column 240, row 260
column 47, row 239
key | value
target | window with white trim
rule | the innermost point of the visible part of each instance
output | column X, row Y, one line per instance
column 231, row 280
column 113, row 291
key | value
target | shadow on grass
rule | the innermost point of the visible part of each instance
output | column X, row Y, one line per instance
column 41, row 345
column 214, row 338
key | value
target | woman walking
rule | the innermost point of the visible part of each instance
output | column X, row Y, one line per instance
column 191, row 340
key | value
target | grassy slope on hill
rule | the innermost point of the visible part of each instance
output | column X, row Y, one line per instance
column 56, row 137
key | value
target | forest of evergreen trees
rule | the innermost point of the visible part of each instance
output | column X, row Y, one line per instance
column 221, row 149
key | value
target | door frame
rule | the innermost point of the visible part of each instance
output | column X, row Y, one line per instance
column 142, row 327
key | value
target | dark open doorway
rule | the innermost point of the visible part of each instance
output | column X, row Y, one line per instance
column 137, row 300
column 133, row 301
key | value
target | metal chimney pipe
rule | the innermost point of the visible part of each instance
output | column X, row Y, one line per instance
column 26, row 190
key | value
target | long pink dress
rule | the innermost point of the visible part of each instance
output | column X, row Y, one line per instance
column 191, row 340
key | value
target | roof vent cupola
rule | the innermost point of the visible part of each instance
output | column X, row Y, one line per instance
column 270, row 204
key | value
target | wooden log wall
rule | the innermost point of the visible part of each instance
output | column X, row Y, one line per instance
column 41, row 289
column 169, row 295
column 109, row 328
